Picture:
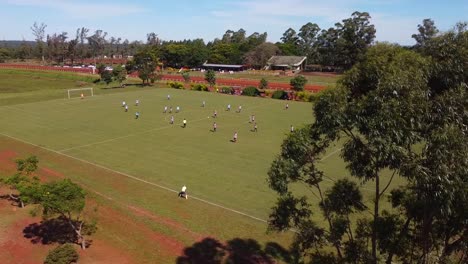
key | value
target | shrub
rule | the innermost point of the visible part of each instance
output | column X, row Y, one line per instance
column 279, row 94
column 298, row 83
column 305, row 96
column 186, row 76
column 227, row 90
column 63, row 254
column 263, row 84
column 269, row 92
column 199, row 87
column 250, row 91
column 176, row 85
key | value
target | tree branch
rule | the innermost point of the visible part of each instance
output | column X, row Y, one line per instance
column 388, row 184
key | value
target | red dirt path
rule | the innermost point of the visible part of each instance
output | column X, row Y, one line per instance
column 17, row 249
column 168, row 77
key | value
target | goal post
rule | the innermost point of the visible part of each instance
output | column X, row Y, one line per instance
column 76, row 93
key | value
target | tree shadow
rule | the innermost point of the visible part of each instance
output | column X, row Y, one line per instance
column 55, row 230
column 235, row 251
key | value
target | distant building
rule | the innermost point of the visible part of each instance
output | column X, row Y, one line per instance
column 294, row 63
column 222, row 67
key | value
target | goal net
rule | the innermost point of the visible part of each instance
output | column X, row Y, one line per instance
column 78, row 93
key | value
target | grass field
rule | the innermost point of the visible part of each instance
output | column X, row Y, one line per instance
column 143, row 162
column 251, row 75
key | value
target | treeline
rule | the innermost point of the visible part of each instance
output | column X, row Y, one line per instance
column 336, row 48
column 339, row 46
column 400, row 116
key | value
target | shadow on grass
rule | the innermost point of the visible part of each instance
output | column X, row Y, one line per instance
column 56, row 230
column 245, row 251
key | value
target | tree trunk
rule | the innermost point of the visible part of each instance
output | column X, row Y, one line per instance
column 402, row 232
column 327, row 216
column 376, row 217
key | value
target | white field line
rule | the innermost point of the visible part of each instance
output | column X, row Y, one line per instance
column 137, row 179
column 139, row 133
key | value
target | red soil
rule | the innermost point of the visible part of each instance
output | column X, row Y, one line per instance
column 18, row 249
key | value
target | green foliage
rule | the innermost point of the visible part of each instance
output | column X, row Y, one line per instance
column 250, row 91
column 4, row 55
column 28, row 165
column 186, row 76
column 279, row 94
column 297, row 83
column 175, row 85
column 389, row 124
column 120, row 74
column 62, row 198
column 63, row 254
column 263, row 84
column 210, row 77
column 106, row 76
column 145, row 63
column 227, row 90
column 100, row 68
column 199, row 87
column 306, row 96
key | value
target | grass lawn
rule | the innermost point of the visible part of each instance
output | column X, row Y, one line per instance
column 251, row 75
column 149, row 159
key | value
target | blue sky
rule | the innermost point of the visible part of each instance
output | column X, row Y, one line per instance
column 395, row 20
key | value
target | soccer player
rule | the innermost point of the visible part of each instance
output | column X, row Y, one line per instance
column 253, row 118
column 183, row 192
column 172, row 120
column 124, row 103
column 215, row 114
column 228, row 107
column 137, row 115
column 215, row 126
column 292, row 128
column 184, row 123
column 235, row 137
column 82, row 95
column 126, row 108
column 168, row 97
column 239, row 109
column 137, row 102
column 170, row 109
column 165, row 109
column 177, row 109
column 255, row 127
column 287, row 106
column 203, row 104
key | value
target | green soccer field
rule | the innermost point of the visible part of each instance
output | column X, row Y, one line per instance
column 213, row 168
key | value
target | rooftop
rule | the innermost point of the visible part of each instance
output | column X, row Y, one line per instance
column 286, row 60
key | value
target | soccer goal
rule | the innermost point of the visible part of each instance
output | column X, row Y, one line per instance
column 77, row 93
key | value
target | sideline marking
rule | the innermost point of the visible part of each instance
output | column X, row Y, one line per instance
column 136, row 178
column 139, row 133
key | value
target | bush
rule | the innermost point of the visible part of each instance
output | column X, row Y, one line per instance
column 176, row 85
column 63, row 254
column 199, row 87
column 305, row 96
column 250, row 91
column 280, row 94
column 227, row 90
column 298, row 83
column 263, row 84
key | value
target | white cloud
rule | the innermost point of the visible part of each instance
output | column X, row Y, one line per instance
column 81, row 9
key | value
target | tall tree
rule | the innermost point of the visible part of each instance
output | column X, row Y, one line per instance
column 426, row 31
column 67, row 200
column 97, row 42
column 39, row 34
column 210, row 77
column 83, row 35
column 152, row 39
column 377, row 111
column 308, row 37
column 145, row 63
column 259, row 55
